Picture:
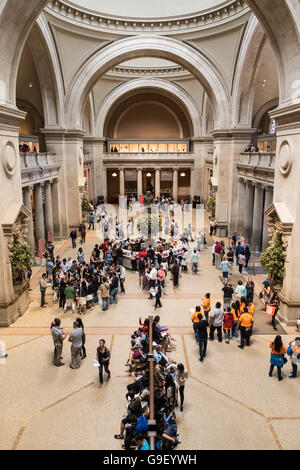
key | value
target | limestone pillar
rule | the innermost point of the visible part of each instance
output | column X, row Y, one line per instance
column 68, row 147
column 157, row 183
column 285, row 211
column 104, row 192
column 241, row 207
column 248, row 211
column 12, row 211
column 268, row 202
column 30, row 233
column 55, row 208
column 199, row 185
column 122, row 182
column 39, row 215
column 228, row 145
column 48, row 210
column 139, row 182
column 257, row 218
column 175, row 185
column 95, row 147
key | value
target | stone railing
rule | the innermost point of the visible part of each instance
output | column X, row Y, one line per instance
column 148, row 155
column 37, row 160
column 38, row 168
column 256, row 159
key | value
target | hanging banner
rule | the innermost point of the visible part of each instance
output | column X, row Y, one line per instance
column 50, row 237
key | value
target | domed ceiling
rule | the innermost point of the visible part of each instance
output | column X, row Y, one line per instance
column 148, row 9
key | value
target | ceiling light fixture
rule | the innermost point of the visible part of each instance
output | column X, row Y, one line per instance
column 182, row 174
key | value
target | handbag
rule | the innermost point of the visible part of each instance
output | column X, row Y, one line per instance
column 261, row 295
column 270, row 310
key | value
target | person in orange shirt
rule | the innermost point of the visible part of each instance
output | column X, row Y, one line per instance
column 206, row 305
column 251, row 308
column 235, row 312
column 243, row 304
column 245, row 322
column 278, row 351
column 195, row 319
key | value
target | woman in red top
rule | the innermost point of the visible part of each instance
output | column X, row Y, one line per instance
column 227, row 324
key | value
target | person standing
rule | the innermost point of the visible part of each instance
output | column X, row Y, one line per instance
column 91, row 221
column 180, row 378
column 175, row 273
column 238, row 250
column 114, row 289
column 83, row 350
column 293, row 351
column 278, row 351
column 250, row 289
column 73, row 236
column 122, row 278
column 245, row 321
column 218, row 254
column 194, row 262
column 195, row 319
column 241, row 261
column 103, row 358
column 82, row 231
column 224, row 268
column 215, row 322
column 58, row 336
column 43, row 287
column 104, row 289
column 206, row 305
column 228, row 323
column 69, row 297
column 201, row 328
column 275, row 302
column 158, row 291
column 76, row 339
column 227, row 293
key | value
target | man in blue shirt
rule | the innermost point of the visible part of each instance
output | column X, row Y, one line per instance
column 238, row 250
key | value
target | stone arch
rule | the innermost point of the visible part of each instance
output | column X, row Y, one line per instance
column 279, row 20
column 162, row 47
column 265, row 107
column 246, row 67
column 12, row 39
column 161, row 86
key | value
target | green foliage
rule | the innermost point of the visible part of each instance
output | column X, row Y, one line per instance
column 211, row 204
column 273, row 259
column 149, row 224
column 85, row 203
column 20, row 257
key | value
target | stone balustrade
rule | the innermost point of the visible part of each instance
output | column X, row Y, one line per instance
column 38, row 167
column 37, row 160
column 257, row 159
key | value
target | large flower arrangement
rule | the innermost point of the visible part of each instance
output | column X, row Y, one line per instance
column 211, row 204
column 273, row 259
column 20, row 258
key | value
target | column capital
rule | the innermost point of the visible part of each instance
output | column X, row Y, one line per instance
column 236, row 133
column 10, row 117
column 286, row 115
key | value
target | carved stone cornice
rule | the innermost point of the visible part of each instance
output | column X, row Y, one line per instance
column 148, row 71
column 210, row 17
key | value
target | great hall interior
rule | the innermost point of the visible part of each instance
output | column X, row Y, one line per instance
column 107, row 98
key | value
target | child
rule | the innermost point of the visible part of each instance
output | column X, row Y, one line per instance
column 227, row 324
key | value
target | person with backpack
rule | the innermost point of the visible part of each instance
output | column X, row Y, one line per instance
column 201, row 328
column 278, row 351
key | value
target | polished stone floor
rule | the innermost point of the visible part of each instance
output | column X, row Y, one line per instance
column 230, row 401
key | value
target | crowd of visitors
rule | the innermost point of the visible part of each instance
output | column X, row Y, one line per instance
column 169, row 385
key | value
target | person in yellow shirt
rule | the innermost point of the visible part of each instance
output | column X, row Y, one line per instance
column 278, row 351
column 251, row 308
column 195, row 319
column 245, row 321
column 206, row 305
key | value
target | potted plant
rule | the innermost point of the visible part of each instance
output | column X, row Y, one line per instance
column 211, row 204
column 273, row 260
column 21, row 260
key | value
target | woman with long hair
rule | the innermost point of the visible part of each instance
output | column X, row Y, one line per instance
column 278, row 351
column 83, row 350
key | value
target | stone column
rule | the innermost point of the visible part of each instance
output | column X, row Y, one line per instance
column 257, row 218
column 241, row 207
column 95, row 147
column 228, row 145
column 199, row 186
column 157, row 183
column 39, row 215
column 48, row 210
column 248, row 211
column 12, row 212
column 175, row 185
column 139, row 182
column 105, row 184
column 55, row 196
column 122, row 182
column 30, row 233
column 268, row 202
